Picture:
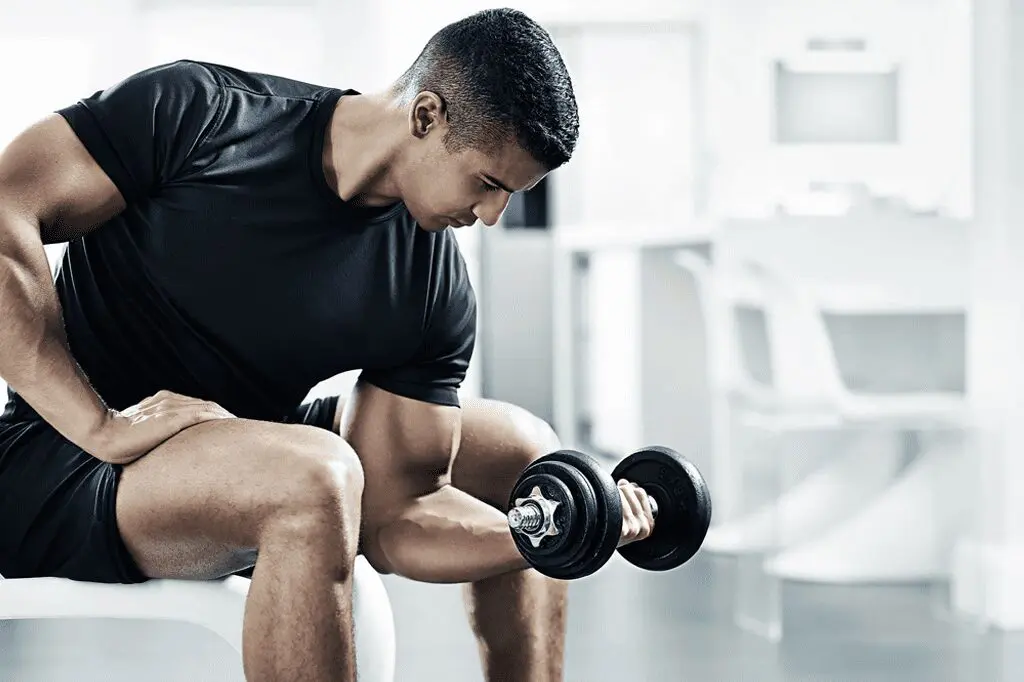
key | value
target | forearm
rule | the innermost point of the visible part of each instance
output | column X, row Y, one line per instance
column 34, row 356
column 449, row 536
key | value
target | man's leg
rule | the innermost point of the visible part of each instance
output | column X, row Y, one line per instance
column 518, row 618
column 204, row 503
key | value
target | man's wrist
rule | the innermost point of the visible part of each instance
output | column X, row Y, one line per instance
column 88, row 432
column 514, row 558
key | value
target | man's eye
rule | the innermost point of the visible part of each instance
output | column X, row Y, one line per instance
column 489, row 187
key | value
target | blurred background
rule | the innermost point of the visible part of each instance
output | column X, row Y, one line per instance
column 788, row 246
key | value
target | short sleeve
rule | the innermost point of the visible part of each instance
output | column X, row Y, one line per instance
column 143, row 130
column 437, row 371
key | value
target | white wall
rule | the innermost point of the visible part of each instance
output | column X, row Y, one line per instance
column 62, row 67
column 411, row 24
column 279, row 40
column 930, row 41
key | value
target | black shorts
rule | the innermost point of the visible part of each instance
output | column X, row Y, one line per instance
column 57, row 502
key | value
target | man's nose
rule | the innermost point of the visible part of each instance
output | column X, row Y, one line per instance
column 489, row 212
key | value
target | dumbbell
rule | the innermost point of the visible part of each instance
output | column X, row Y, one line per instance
column 565, row 512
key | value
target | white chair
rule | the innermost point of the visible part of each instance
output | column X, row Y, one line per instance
column 905, row 532
column 215, row 605
column 805, row 364
column 799, row 397
column 807, row 392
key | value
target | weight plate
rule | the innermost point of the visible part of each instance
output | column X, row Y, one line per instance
column 553, row 489
column 579, row 487
column 606, row 528
column 573, row 515
column 684, row 507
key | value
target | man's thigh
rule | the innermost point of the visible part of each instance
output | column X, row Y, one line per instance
column 499, row 440
column 194, row 507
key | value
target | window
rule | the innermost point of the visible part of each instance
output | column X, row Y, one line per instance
column 836, row 107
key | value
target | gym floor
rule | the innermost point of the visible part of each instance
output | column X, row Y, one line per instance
column 624, row 625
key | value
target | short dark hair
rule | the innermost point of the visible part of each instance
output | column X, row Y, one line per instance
column 501, row 78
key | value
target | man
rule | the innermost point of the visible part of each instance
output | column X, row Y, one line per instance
column 234, row 239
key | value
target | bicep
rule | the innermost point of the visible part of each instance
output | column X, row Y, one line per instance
column 48, row 178
column 406, row 446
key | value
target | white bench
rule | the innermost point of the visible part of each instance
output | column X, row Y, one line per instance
column 215, row 605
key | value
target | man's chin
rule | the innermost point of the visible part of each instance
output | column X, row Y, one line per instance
column 432, row 224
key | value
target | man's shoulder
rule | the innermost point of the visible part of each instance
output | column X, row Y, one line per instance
column 259, row 83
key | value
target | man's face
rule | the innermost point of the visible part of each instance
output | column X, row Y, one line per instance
column 443, row 189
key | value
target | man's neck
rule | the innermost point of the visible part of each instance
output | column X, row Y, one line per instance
column 360, row 150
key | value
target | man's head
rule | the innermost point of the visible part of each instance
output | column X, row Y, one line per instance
column 491, row 111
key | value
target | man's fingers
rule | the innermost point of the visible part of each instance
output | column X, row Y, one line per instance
column 155, row 398
column 181, row 408
column 632, row 510
column 214, row 411
column 647, row 515
column 637, row 515
column 164, row 400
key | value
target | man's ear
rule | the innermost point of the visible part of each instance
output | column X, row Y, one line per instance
column 428, row 113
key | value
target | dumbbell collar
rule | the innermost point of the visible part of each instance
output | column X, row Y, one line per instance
column 534, row 517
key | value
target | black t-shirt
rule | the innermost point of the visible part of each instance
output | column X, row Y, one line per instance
column 236, row 274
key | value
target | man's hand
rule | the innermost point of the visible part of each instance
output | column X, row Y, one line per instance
column 637, row 517
column 125, row 436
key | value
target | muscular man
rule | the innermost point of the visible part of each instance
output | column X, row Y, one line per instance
column 234, row 239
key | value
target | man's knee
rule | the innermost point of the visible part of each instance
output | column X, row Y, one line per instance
column 321, row 482
column 532, row 437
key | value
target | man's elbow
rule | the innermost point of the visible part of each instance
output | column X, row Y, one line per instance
column 406, row 544
column 378, row 559
column 389, row 526
column 388, row 548
column 379, row 537
column 399, row 509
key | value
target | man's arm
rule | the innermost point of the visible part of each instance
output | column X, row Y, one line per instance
column 415, row 524
column 63, row 177
column 51, row 190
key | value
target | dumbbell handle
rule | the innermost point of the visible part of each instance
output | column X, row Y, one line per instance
column 529, row 517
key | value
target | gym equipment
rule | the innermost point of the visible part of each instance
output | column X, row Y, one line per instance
column 566, row 515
